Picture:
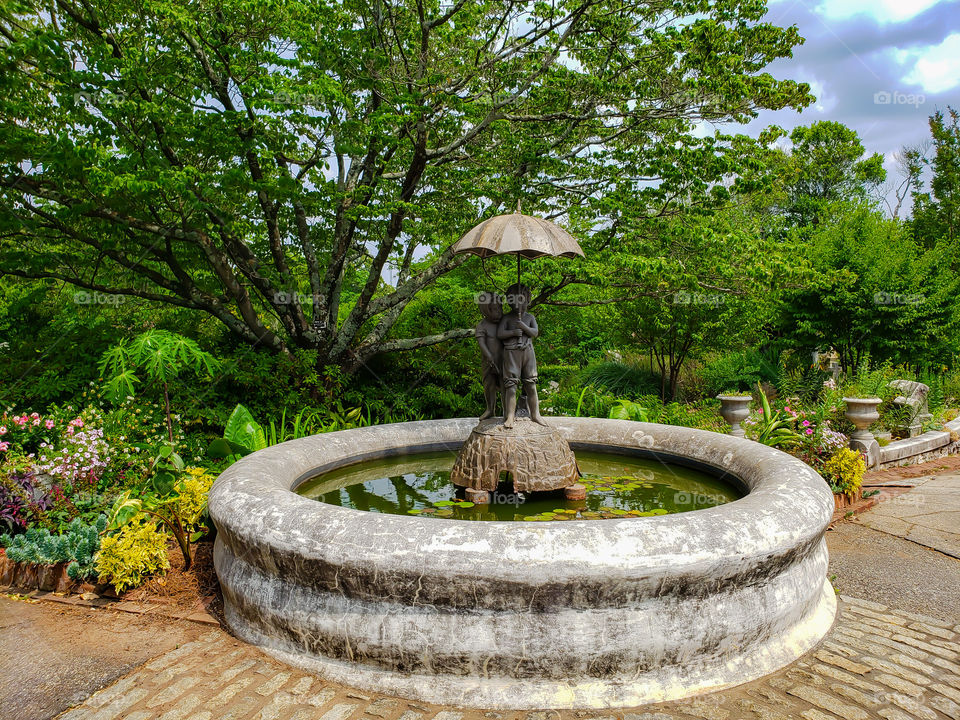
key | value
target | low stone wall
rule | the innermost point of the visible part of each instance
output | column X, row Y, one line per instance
column 928, row 446
column 580, row 614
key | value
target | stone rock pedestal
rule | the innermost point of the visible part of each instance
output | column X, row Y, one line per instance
column 536, row 457
column 913, row 403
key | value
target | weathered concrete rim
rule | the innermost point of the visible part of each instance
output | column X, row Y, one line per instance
column 793, row 514
column 581, row 614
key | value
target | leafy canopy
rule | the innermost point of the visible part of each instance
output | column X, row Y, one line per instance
column 297, row 169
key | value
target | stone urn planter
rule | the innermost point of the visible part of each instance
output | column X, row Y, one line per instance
column 862, row 412
column 735, row 409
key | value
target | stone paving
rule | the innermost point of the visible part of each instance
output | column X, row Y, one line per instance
column 876, row 662
column 928, row 514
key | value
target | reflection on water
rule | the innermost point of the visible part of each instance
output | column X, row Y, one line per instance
column 617, row 487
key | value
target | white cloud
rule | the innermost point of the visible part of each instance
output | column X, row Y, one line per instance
column 883, row 11
column 936, row 68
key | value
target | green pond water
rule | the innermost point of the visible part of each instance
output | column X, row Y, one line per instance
column 617, row 488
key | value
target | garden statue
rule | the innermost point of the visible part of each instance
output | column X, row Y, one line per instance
column 912, row 405
column 517, row 330
column 521, row 447
column 491, row 350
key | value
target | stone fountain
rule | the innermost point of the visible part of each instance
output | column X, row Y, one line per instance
column 500, row 615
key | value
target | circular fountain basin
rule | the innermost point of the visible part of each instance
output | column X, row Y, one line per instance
column 574, row 614
column 617, row 486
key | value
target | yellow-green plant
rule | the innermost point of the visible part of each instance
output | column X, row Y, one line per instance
column 174, row 495
column 844, row 470
column 191, row 491
column 127, row 557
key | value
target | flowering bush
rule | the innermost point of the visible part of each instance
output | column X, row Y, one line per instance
column 80, row 459
column 844, row 471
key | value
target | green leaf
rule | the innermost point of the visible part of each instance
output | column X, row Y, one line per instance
column 124, row 509
column 223, row 448
column 241, row 429
column 163, row 482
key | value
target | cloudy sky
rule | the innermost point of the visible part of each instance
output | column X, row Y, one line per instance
column 879, row 66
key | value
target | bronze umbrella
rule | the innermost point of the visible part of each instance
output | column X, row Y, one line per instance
column 516, row 234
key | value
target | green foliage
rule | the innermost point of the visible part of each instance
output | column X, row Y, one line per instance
column 160, row 356
column 172, row 495
column 873, row 382
column 738, row 371
column 826, row 165
column 622, row 379
column 936, row 212
column 628, row 410
column 126, row 558
column 876, row 292
column 243, row 435
column 221, row 200
column 775, row 427
column 77, row 546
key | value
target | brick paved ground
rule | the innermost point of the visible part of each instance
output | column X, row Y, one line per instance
column 875, row 663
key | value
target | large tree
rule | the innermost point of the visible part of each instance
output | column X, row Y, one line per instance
column 936, row 212
column 826, row 163
column 299, row 168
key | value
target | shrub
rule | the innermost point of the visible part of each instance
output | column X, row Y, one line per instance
column 623, row 379
column 78, row 546
column 192, row 490
column 23, row 500
column 844, row 471
column 138, row 550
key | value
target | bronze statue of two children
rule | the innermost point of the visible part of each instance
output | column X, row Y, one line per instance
column 506, row 345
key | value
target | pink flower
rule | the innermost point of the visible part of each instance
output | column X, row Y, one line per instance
column 3, row 429
column 4, row 446
column 806, row 423
column 809, row 431
column 49, row 424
